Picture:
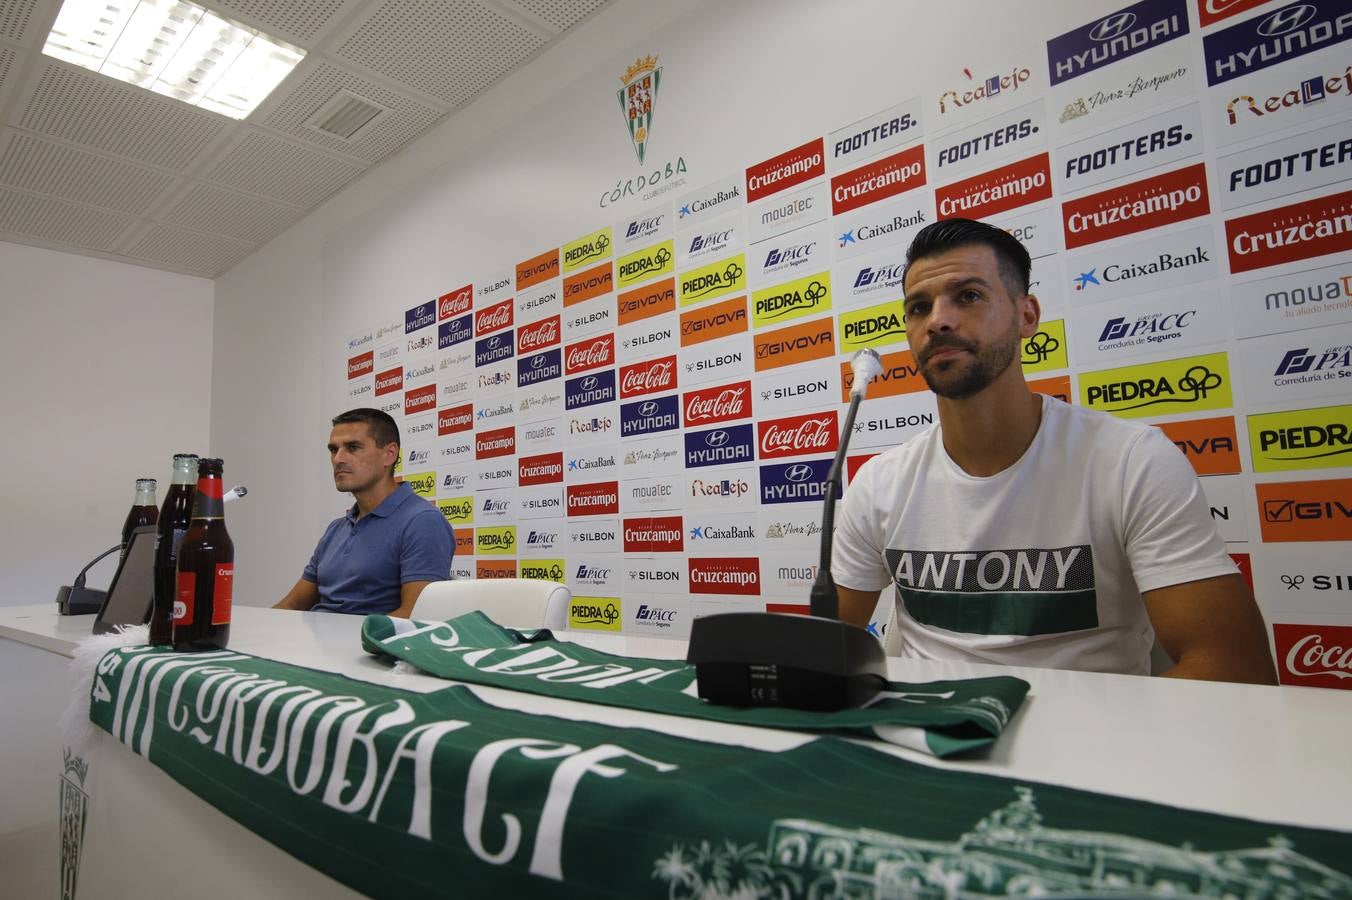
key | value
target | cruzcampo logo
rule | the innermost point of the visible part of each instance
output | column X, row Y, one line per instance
column 457, row 510
column 1046, row 349
column 642, row 265
column 807, row 296
column 717, row 279
column 637, row 97
column 499, row 540
column 595, row 613
column 588, row 249
column 1301, row 439
column 424, row 484
column 1162, row 388
column 543, row 569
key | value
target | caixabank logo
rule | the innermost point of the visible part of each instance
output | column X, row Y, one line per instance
column 1290, row 233
column 719, row 446
column 537, row 269
column 878, row 180
column 1117, row 36
column 1314, row 655
column 646, row 301
column 1306, row 510
column 1164, row 388
column 456, row 303
column 794, row 482
column 654, row 534
column 792, row 300
column 1288, row 32
column 1301, row 439
column 724, row 575
column 650, row 416
column 997, row 191
column 717, row 279
column 588, row 390
column 1209, row 444
column 539, row 367
column 595, row 613
column 1149, row 203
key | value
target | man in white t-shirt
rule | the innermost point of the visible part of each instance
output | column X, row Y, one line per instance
column 1024, row 531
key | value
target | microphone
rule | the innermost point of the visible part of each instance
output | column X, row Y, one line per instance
column 811, row 662
column 238, row 492
column 76, row 599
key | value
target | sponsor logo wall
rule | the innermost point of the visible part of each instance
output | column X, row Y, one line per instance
column 647, row 410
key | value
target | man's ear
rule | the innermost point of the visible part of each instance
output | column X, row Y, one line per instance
column 1030, row 315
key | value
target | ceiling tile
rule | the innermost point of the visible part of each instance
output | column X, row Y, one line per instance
column 274, row 167
column 208, row 208
column 15, row 17
column 46, row 219
column 96, row 111
column 202, row 253
column 49, row 168
column 562, row 14
column 297, row 21
column 450, row 50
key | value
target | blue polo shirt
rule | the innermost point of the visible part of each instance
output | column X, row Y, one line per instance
column 360, row 563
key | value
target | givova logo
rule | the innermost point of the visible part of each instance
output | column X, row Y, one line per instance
column 1046, row 349
column 1301, row 439
column 1162, row 388
column 595, row 613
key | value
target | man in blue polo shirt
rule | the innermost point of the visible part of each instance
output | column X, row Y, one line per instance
column 389, row 546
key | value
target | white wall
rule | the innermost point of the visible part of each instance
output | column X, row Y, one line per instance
column 107, row 373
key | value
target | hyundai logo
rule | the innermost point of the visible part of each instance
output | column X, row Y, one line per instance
column 494, row 342
column 537, row 361
column 1113, row 26
column 589, row 382
column 1284, row 20
column 716, row 438
column 800, row 472
column 648, row 408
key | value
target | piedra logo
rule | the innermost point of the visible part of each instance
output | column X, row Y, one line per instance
column 639, row 92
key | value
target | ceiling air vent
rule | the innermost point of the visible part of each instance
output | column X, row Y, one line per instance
column 344, row 115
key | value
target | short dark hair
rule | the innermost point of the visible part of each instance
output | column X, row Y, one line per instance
column 383, row 430
column 940, row 237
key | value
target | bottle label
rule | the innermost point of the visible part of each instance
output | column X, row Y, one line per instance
column 187, row 597
column 178, row 539
column 224, row 594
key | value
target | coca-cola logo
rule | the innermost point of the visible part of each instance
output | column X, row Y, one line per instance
column 454, row 303
column 718, row 404
column 494, row 318
column 649, row 377
column 590, row 354
column 534, row 337
column 797, row 435
column 1317, row 655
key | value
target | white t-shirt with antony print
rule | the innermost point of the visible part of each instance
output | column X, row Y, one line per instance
column 1042, row 564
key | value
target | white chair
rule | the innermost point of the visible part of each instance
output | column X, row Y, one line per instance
column 510, row 602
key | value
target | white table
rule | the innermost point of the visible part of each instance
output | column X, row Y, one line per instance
column 1278, row 754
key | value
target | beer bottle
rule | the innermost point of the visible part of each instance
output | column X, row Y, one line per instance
column 205, row 569
column 143, row 511
column 175, row 517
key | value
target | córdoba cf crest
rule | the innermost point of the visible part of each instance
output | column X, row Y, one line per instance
column 637, row 97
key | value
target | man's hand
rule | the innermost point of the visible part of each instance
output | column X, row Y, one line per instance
column 302, row 597
column 409, row 592
column 856, row 607
column 1213, row 630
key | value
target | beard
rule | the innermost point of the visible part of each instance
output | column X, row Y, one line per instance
column 985, row 365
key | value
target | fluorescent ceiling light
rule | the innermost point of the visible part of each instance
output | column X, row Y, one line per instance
column 173, row 48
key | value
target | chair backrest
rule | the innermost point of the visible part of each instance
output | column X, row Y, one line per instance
column 511, row 602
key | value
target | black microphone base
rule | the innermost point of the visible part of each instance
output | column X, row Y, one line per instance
column 779, row 659
column 79, row 601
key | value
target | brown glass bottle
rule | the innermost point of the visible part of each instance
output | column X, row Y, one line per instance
column 175, row 517
column 205, row 570
column 143, row 511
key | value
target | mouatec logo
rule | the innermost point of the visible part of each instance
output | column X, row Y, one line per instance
column 1314, row 655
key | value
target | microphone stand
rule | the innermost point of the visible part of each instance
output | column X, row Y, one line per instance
column 78, row 600
column 811, row 662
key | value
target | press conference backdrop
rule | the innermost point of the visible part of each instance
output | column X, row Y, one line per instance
column 645, row 407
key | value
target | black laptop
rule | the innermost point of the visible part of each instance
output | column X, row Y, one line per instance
column 132, row 591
